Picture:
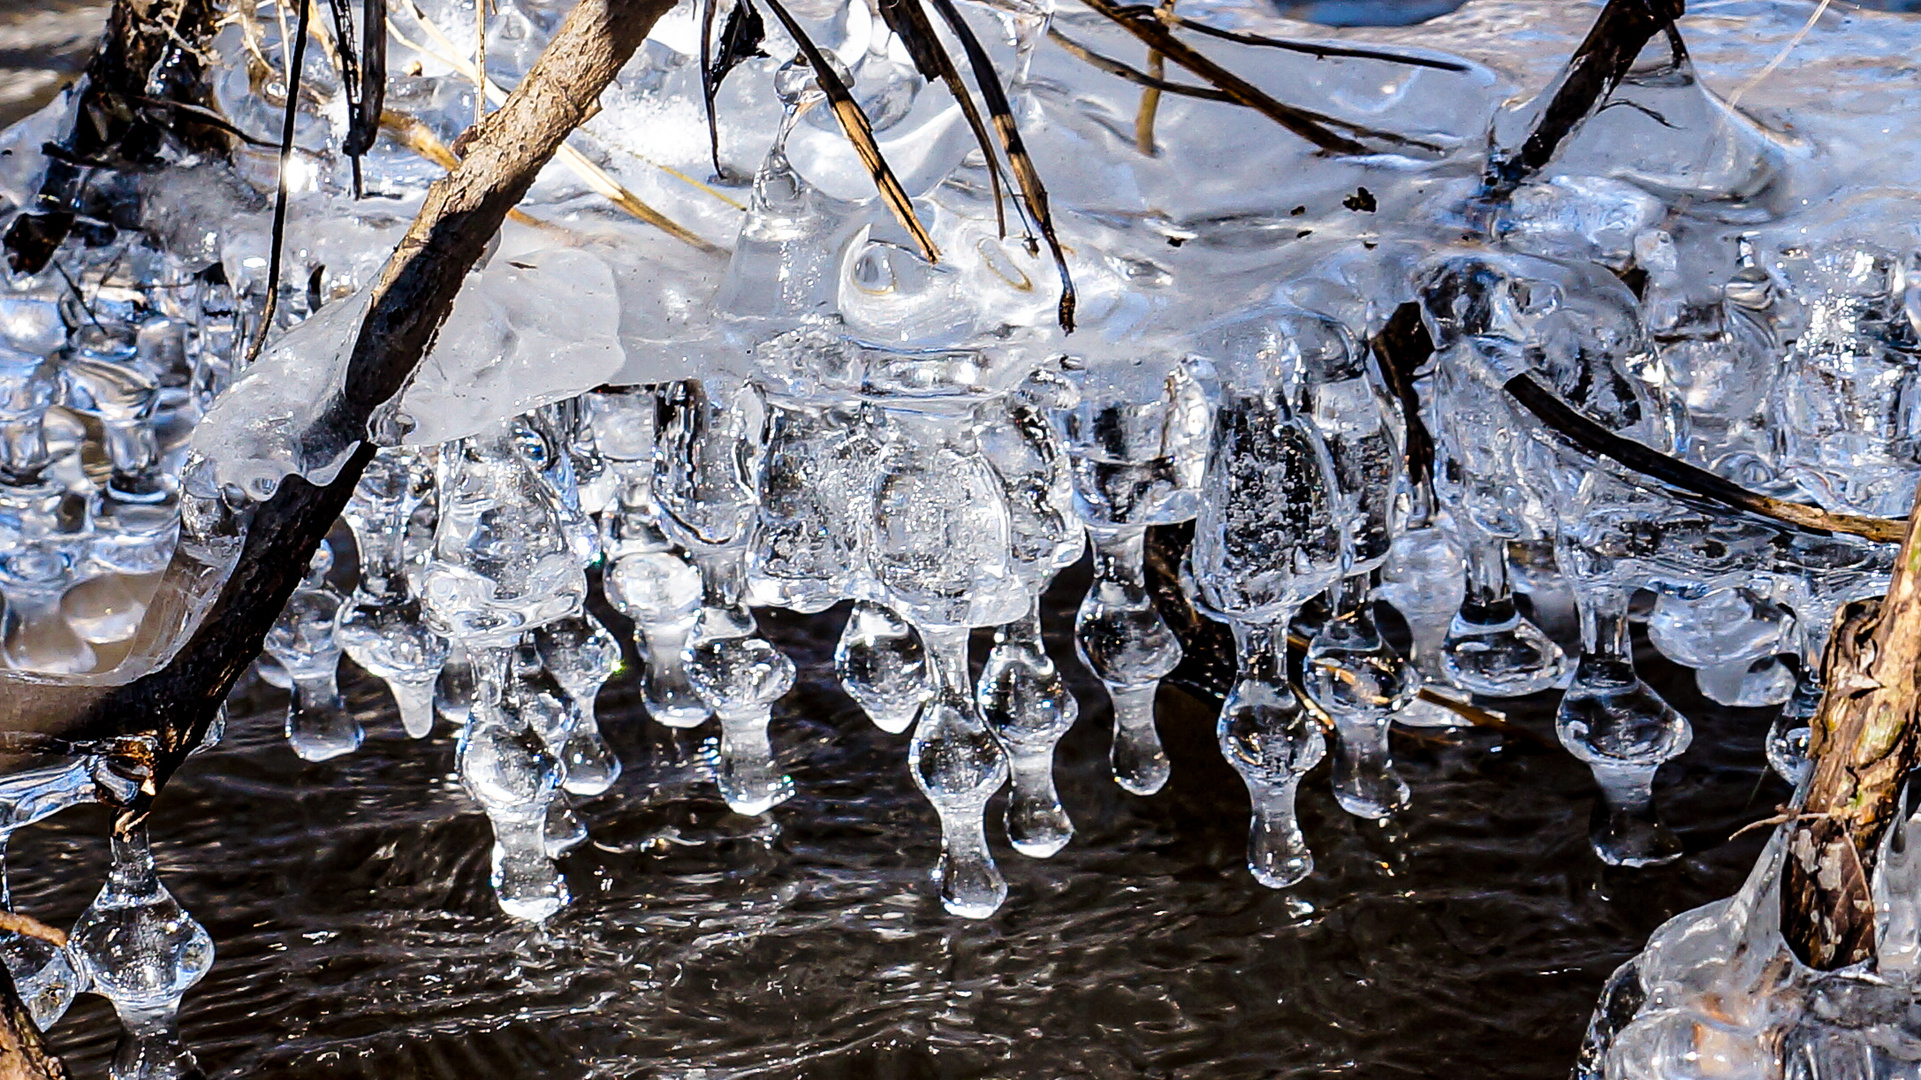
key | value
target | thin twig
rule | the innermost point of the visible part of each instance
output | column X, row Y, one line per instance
column 259, row 338
column 1565, row 420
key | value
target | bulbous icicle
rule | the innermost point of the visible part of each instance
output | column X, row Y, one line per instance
column 959, row 765
column 504, row 763
column 502, row 562
column 1025, row 701
column 816, row 475
column 1491, row 648
column 1270, row 739
column 142, row 951
column 882, row 664
column 1123, row 640
column 660, row 591
column 454, row 688
column 1362, row 683
column 1623, row 731
column 319, row 727
column 381, row 626
column 739, row 675
column 581, row 655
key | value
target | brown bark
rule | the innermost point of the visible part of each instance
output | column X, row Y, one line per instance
column 1863, row 746
column 23, row 1054
column 502, row 156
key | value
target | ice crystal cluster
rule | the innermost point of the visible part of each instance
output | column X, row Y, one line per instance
column 783, row 402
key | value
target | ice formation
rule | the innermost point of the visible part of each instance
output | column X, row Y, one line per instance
column 785, row 402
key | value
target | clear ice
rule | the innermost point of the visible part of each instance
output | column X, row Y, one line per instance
column 802, row 410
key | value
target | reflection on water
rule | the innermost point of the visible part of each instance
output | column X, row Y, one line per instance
column 43, row 45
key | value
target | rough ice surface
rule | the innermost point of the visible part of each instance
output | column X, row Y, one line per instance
column 791, row 403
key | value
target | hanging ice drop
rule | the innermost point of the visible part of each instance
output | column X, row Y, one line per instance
column 381, row 626
column 142, row 951
column 582, row 656
column 1026, row 703
column 319, row 725
column 882, row 665
column 1272, row 742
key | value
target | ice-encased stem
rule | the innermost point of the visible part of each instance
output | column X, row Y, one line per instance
column 44, row 974
column 958, row 764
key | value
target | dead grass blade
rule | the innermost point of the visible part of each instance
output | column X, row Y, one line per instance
column 1032, row 190
column 909, row 22
column 859, row 132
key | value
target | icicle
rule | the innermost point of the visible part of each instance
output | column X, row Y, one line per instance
column 1272, row 742
column 1361, row 683
column 739, row 675
column 505, row 765
column 1491, row 648
column 381, row 626
column 319, row 726
column 1026, row 703
column 1121, row 637
column 882, row 664
column 958, row 764
column 1622, row 729
column 142, row 951
column 582, row 656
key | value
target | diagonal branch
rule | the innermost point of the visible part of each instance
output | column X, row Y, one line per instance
column 462, row 211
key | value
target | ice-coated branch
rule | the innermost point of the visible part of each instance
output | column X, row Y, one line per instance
column 1598, row 65
column 502, row 155
column 1862, row 747
column 1596, row 440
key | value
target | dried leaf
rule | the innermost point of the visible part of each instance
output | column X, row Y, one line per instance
column 1133, row 74
column 909, row 22
column 363, row 124
column 1024, row 172
column 1145, row 25
column 859, row 132
column 350, row 83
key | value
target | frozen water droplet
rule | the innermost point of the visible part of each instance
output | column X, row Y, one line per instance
column 142, row 951
column 1122, row 639
column 1272, row 742
column 1024, row 700
column 319, row 726
column 882, row 665
column 1361, row 683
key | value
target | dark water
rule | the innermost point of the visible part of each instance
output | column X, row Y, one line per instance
column 357, row 935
